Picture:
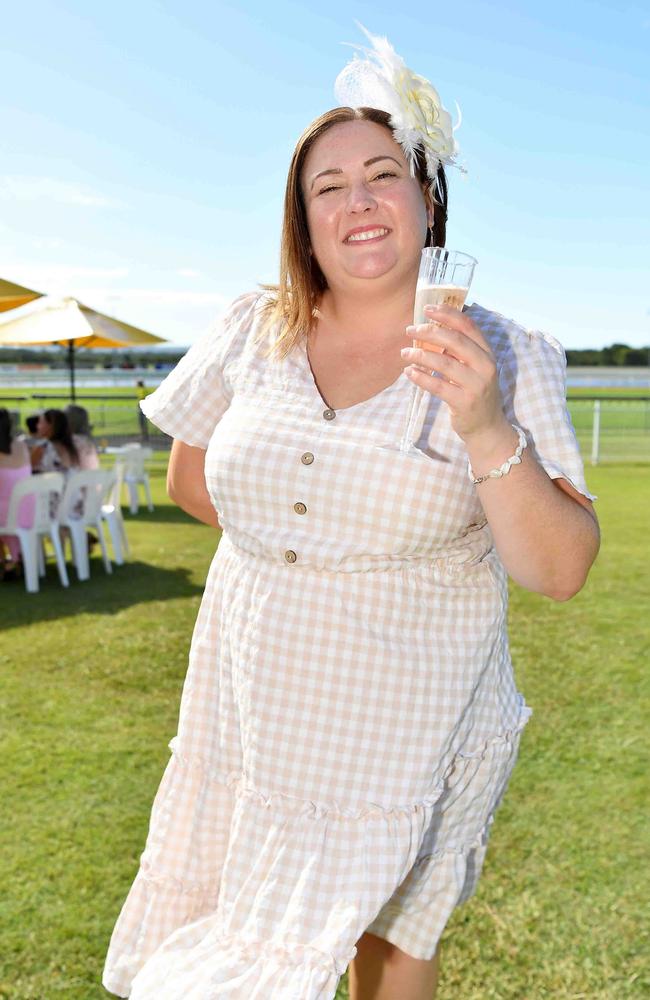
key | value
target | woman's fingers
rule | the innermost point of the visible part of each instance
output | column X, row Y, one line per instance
column 445, row 364
column 447, row 391
column 456, row 343
column 456, row 320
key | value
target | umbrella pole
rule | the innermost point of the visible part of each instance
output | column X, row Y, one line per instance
column 71, row 363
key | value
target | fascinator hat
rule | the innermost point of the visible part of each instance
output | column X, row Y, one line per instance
column 379, row 78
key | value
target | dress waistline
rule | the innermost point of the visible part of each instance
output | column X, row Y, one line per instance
column 453, row 560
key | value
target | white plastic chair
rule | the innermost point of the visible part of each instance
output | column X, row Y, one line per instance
column 134, row 457
column 112, row 513
column 41, row 487
column 78, row 517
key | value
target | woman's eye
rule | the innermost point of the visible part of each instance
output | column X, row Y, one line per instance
column 384, row 175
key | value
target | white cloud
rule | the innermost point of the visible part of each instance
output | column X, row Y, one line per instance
column 17, row 188
column 189, row 272
column 157, row 296
column 48, row 243
column 97, row 285
column 59, row 279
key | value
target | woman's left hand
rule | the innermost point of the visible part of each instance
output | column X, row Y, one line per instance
column 469, row 382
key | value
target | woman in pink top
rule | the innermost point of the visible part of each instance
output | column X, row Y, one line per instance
column 14, row 466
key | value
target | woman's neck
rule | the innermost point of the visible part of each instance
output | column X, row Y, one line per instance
column 378, row 319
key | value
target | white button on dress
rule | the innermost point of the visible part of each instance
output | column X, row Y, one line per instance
column 349, row 721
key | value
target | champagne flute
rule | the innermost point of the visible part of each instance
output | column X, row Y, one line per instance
column 444, row 279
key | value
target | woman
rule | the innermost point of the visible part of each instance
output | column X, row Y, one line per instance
column 58, row 452
column 14, row 466
column 350, row 718
column 63, row 451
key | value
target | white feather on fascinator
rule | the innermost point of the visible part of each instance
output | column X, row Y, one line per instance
column 383, row 80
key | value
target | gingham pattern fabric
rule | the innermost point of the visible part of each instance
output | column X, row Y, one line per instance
column 349, row 719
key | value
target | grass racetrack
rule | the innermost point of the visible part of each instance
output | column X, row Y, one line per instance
column 91, row 685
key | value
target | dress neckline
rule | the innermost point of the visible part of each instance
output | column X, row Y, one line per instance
column 352, row 406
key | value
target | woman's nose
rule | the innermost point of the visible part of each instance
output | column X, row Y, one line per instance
column 360, row 198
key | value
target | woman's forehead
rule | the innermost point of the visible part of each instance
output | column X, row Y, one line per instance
column 349, row 142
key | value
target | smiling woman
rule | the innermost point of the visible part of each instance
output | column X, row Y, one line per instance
column 350, row 717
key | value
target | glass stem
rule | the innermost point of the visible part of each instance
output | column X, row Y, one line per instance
column 414, row 418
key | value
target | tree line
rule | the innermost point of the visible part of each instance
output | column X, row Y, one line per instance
column 617, row 355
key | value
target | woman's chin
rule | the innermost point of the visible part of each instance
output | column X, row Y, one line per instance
column 373, row 269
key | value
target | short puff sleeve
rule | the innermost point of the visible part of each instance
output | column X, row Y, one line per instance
column 533, row 384
column 191, row 400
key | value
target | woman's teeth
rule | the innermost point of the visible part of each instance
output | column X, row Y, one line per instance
column 370, row 234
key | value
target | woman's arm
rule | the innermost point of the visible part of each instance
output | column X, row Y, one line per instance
column 545, row 531
column 186, row 483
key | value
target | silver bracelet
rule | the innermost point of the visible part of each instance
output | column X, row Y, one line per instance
column 504, row 469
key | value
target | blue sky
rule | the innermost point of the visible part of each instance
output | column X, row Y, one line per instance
column 145, row 148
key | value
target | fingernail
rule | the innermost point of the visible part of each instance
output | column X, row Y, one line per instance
column 406, row 352
column 410, row 330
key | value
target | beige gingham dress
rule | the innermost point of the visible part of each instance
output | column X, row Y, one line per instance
column 349, row 719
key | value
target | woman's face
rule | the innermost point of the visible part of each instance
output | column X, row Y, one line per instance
column 43, row 427
column 367, row 216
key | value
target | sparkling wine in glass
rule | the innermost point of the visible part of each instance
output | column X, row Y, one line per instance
column 444, row 279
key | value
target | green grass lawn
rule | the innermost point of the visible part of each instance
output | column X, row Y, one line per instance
column 91, row 685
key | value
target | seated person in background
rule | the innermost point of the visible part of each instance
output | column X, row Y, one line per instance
column 63, row 451
column 82, row 436
column 58, row 452
column 14, row 466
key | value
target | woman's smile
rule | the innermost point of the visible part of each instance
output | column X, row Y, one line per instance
column 366, row 233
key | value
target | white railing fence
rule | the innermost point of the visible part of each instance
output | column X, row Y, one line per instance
column 611, row 429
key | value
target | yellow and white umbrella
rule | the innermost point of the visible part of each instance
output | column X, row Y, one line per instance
column 65, row 321
column 12, row 295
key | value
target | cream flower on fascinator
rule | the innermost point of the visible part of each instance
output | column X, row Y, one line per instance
column 383, row 80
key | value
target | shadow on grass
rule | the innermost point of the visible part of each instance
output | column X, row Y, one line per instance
column 103, row 594
column 162, row 514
